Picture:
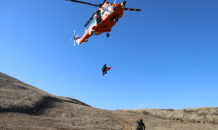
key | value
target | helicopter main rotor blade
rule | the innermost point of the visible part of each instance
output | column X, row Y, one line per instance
column 89, row 20
column 104, row 2
column 132, row 9
column 83, row 2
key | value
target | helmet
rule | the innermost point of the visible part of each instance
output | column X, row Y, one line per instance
column 141, row 119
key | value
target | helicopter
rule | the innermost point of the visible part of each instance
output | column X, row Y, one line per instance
column 104, row 18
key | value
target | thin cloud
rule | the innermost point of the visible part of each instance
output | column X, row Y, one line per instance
column 144, row 105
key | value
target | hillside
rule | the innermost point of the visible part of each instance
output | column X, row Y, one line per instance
column 18, row 96
column 23, row 107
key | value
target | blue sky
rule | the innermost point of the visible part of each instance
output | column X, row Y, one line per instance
column 163, row 57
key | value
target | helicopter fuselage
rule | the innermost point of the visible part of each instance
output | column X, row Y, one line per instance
column 105, row 18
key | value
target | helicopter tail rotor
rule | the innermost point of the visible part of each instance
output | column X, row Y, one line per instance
column 75, row 39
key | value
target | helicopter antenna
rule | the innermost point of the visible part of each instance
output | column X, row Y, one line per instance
column 114, row 1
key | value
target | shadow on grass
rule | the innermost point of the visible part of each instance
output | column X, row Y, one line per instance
column 42, row 105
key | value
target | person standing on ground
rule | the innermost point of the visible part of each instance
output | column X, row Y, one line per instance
column 141, row 125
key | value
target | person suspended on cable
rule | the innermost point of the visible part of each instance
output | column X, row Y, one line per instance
column 141, row 125
column 105, row 69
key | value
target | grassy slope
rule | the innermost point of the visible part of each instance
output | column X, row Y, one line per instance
column 18, row 102
column 195, row 115
column 60, row 112
column 18, row 96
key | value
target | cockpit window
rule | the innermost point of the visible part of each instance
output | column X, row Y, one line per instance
column 108, row 6
column 93, row 22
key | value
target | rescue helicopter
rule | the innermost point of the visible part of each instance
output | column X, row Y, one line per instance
column 104, row 18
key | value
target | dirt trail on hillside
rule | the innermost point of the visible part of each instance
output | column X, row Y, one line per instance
column 124, row 124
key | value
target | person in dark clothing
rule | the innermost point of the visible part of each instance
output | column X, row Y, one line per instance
column 141, row 125
column 98, row 12
column 104, row 69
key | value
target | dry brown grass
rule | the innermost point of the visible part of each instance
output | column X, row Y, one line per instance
column 154, row 123
column 18, row 100
column 18, row 96
column 195, row 115
column 58, row 114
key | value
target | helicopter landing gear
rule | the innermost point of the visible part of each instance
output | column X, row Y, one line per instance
column 107, row 34
column 116, row 20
